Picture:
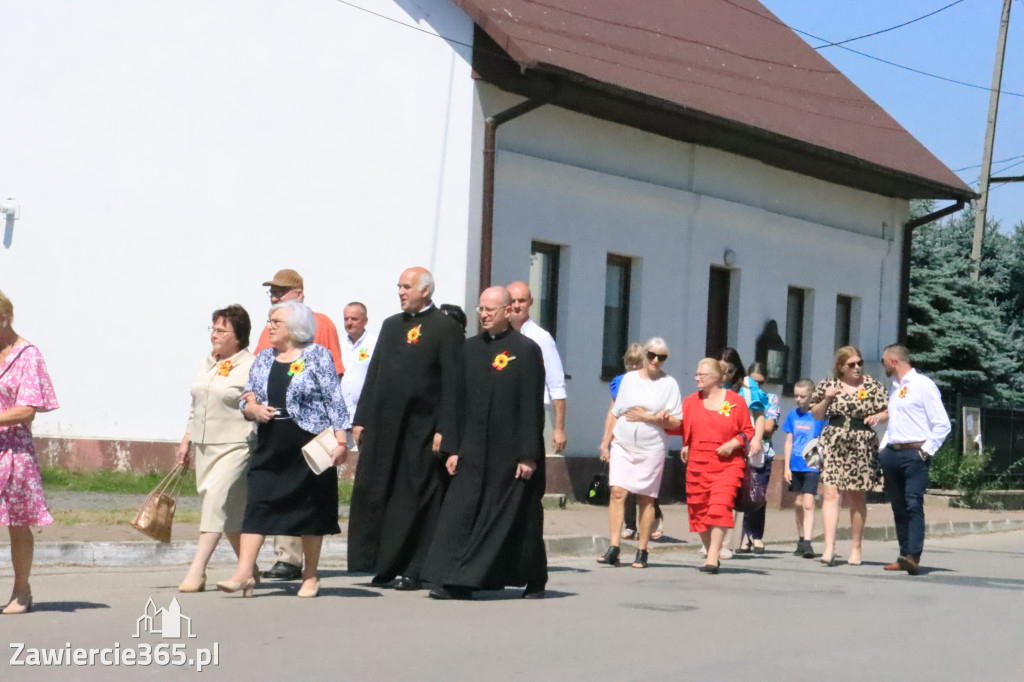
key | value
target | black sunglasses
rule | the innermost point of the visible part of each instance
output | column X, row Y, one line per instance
column 859, row 363
column 662, row 357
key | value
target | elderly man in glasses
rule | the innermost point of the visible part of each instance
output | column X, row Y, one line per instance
column 287, row 285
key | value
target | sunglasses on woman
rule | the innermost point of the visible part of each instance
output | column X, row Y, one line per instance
column 661, row 357
column 859, row 363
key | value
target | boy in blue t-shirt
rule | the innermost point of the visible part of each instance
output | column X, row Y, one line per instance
column 800, row 428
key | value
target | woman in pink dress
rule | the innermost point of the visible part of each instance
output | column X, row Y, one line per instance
column 716, row 431
column 25, row 389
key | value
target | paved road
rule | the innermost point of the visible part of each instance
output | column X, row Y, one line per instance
column 774, row 617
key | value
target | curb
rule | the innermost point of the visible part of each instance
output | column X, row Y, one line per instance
column 148, row 554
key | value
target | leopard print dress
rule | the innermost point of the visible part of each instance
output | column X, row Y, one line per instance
column 849, row 454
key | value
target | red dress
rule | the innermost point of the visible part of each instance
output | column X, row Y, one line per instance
column 712, row 482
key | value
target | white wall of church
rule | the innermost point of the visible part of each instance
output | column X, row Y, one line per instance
column 171, row 156
column 596, row 188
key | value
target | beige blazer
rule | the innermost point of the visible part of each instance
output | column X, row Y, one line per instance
column 215, row 417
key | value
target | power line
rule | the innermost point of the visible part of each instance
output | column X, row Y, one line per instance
column 891, row 28
column 978, row 165
column 864, row 54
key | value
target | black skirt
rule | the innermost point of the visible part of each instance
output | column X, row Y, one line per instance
column 284, row 496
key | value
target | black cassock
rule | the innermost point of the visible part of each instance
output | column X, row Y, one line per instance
column 491, row 532
column 412, row 390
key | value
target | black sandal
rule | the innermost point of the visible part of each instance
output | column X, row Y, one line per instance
column 711, row 568
column 641, row 559
column 610, row 557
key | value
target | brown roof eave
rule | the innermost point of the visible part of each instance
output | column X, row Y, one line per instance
column 771, row 148
column 579, row 93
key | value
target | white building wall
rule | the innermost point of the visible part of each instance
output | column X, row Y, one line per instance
column 171, row 156
column 596, row 187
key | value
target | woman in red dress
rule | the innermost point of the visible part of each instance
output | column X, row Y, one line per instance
column 716, row 431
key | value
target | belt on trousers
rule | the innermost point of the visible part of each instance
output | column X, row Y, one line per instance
column 906, row 446
column 849, row 423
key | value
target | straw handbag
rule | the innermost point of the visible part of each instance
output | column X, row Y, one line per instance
column 157, row 513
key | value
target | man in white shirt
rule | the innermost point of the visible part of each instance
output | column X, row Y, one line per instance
column 356, row 350
column 554, row 375
column 918, row 424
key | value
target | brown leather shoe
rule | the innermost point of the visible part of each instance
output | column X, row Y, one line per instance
column 908, row 564
column 894, row 566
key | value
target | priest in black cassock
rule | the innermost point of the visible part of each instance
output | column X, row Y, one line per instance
column 491, row 532
column 407, row 422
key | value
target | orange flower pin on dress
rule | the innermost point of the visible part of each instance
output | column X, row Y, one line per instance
column 414, row 334
column 363, row 355
column 501, row 360
column 224, row 369
column 903, row 392
column 862, row 394
column 726, row 408
column 296, row 367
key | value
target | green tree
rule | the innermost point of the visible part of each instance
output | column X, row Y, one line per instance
column 960, row 332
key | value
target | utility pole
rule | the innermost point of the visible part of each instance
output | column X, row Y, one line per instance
column 990, row 136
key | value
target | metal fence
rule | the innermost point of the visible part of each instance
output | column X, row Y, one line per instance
column 1001, row 429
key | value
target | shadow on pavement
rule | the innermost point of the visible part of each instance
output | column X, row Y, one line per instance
column 67, row 606
column 512, row 593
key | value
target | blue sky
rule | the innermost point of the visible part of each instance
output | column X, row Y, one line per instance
column 958, row 43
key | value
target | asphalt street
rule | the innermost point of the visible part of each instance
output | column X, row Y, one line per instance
column 771, row 617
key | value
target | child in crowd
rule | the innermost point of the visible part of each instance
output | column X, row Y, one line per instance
column 801, row 428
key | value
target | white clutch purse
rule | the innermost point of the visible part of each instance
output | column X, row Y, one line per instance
column 318, row 451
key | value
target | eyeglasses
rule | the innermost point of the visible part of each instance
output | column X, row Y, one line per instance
column 275, row 323
column 859, row 363
column 701, row 375
column 218, row 332
column 482, row 310
column 661, row 357
column 278, row 292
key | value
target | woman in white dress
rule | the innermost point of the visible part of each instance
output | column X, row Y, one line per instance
column 648, row 403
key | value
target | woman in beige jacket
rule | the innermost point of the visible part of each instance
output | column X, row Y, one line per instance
column 219, row 432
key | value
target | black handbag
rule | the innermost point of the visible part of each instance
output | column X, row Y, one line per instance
column 752, row 492
column 599, row 491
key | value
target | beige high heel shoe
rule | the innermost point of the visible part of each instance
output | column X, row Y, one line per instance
column 15, row 607
column 232, row 586
column 188, row 588
column 309, row 593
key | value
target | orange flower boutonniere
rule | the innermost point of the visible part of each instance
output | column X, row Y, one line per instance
column 726, row 408
column 862, row 394
column 296, row 367
column 225, row 368
column 903, row 392
column 501, row 360
column 414, row 334
column 363, row 355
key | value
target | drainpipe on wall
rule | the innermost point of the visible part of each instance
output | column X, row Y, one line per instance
column 491, row 124
column 908, row 240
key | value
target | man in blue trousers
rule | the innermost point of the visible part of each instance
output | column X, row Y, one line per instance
column 917, row 426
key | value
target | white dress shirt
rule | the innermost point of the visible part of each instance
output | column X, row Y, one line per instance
column 355, row 355
column 916, row 413
column 554, row 375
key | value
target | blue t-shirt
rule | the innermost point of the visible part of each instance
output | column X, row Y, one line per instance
column 614, row 386
column 804, row 428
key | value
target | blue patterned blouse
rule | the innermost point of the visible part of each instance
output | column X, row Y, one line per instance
column 314, row 395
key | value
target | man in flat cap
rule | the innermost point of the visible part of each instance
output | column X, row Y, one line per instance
column 287, row 285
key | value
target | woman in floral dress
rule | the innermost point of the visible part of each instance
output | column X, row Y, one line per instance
column 853, row 403
column 25, row 389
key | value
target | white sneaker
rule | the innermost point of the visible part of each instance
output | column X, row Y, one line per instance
column 725, row 554
column 703, row 551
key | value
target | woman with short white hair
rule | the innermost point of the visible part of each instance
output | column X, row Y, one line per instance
column 648, row 402
column 293, row 393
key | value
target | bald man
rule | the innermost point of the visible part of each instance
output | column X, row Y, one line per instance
column 554, row 375
column 491, row 532
column 407, row 423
